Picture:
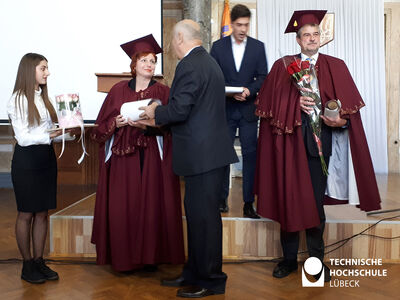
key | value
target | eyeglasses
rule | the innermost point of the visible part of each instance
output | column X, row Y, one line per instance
column 145, row 61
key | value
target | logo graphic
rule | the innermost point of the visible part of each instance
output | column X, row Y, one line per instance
column 312, row 266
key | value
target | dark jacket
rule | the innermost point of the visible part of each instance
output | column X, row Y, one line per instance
column 196, row 114
column 252, row 73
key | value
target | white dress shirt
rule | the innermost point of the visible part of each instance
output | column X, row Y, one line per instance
column 24, row 134
column 238, row 51
column 313, row 58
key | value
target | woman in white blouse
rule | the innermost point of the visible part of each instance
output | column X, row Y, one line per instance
column 34, row 166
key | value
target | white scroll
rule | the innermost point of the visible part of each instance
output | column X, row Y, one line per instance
column 131, row 109
column 233, row 89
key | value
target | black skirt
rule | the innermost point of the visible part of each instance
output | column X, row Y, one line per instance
column 34, row 177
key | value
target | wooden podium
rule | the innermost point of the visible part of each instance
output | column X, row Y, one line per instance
column 69, row 171
column 105, row 81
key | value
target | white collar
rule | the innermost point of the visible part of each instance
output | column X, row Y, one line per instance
column 313, row 57
column 234, row 41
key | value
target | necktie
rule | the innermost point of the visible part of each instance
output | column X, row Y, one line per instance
column 311, row 61
column 314, row 82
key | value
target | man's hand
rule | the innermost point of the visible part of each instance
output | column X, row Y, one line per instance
column 306, row 104
column 242, row 96
column 334, row 122
column 151, row 122
column 120, row 121
column 149, row 111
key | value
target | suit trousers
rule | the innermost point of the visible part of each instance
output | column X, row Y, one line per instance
column 314, row 236
column 204, row 231
column 248, row 143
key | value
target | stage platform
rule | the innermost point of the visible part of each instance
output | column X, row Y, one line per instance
column 249, row 239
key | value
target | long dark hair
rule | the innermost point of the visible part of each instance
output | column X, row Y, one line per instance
column 25, row 86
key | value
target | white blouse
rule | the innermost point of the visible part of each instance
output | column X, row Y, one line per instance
column 24, row 134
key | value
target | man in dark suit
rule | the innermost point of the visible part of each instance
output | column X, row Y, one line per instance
column 201, row 150
column 244, row 64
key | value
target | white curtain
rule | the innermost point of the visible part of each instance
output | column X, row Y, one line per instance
column 359, row 41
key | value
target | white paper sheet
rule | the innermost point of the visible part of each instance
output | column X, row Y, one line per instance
column 131, row 109
column 233, row 89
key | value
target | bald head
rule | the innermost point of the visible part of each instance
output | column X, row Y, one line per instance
column 189, row 29
column 186, row 35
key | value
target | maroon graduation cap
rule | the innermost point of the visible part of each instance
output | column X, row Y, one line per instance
column 303, row 17
column 143, row 44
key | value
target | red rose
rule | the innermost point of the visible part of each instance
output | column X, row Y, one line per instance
column 295, row 66
column 305, row 64
column 290, row 70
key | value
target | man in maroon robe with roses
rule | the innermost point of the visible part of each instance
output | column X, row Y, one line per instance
column 290, row 183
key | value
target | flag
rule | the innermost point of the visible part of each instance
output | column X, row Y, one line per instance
column 226, row 28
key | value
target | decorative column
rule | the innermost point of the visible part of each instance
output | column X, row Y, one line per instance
column 200, row 11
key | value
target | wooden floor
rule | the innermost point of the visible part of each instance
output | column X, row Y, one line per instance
column 245, row 281
column 251, row 280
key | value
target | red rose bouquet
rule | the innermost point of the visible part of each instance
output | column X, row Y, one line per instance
column 306, row 81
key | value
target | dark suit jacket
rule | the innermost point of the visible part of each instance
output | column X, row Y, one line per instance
column 309, row 142
column 196, row 114
column 252, row 73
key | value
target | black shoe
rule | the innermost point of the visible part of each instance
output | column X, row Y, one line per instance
column 195, row 292
column 327, row 274
column 223, row 207
column 176, row 282
column 284, row 268
column 249, row 212
column 30, row 273
column 48, row 273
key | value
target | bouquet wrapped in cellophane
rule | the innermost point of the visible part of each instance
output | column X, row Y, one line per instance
column 69, row 116
column 69, row 111
column 306, row 81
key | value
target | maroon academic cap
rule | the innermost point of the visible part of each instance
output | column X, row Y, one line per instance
column 143, row 44
column 303, row 17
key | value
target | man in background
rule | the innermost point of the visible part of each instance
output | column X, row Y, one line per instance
column 244, row 64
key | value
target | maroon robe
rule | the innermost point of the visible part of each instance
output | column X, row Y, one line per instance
column 138, row 215
column 283, row 182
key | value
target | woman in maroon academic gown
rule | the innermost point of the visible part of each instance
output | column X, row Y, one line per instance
column 138, row 217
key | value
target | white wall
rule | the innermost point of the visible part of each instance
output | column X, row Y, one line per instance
column 78, row 37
